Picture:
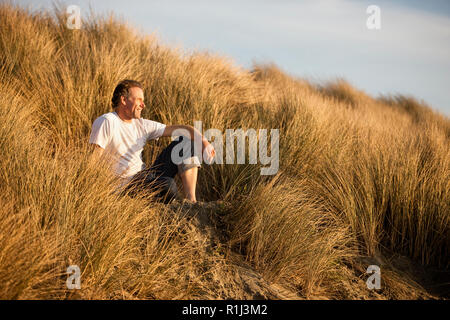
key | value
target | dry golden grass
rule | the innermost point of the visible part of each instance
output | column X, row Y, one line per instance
column 361, row 181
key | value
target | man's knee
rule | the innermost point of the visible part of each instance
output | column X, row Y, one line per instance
column 188, row 155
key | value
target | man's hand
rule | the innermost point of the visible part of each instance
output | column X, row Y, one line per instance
column 208, row 151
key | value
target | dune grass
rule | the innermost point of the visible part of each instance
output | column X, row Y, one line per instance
column 359, row 176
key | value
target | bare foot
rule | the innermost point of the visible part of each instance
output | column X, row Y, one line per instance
column 190, row 200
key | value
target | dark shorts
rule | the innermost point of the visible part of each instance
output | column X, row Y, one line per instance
column 160, row 176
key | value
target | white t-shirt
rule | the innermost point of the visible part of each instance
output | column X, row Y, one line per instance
column 124, row 141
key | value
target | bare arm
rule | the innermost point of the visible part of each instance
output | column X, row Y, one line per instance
column 193, row 134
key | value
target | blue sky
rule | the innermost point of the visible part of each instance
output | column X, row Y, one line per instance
column 319, row 40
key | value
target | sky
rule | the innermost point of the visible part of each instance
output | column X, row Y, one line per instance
column 319, row 40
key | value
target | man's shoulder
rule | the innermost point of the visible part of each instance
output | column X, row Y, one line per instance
column 108, row 117
column 147, row 123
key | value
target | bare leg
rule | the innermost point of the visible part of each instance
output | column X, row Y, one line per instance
column 189, row 180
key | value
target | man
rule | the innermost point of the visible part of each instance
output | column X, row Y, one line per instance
column 122, row 134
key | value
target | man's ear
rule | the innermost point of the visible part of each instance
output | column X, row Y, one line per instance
column 123, row 100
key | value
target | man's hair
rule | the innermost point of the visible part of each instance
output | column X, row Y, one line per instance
column 122, row 90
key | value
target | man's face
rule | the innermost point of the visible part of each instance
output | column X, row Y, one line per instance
column 134, row 103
